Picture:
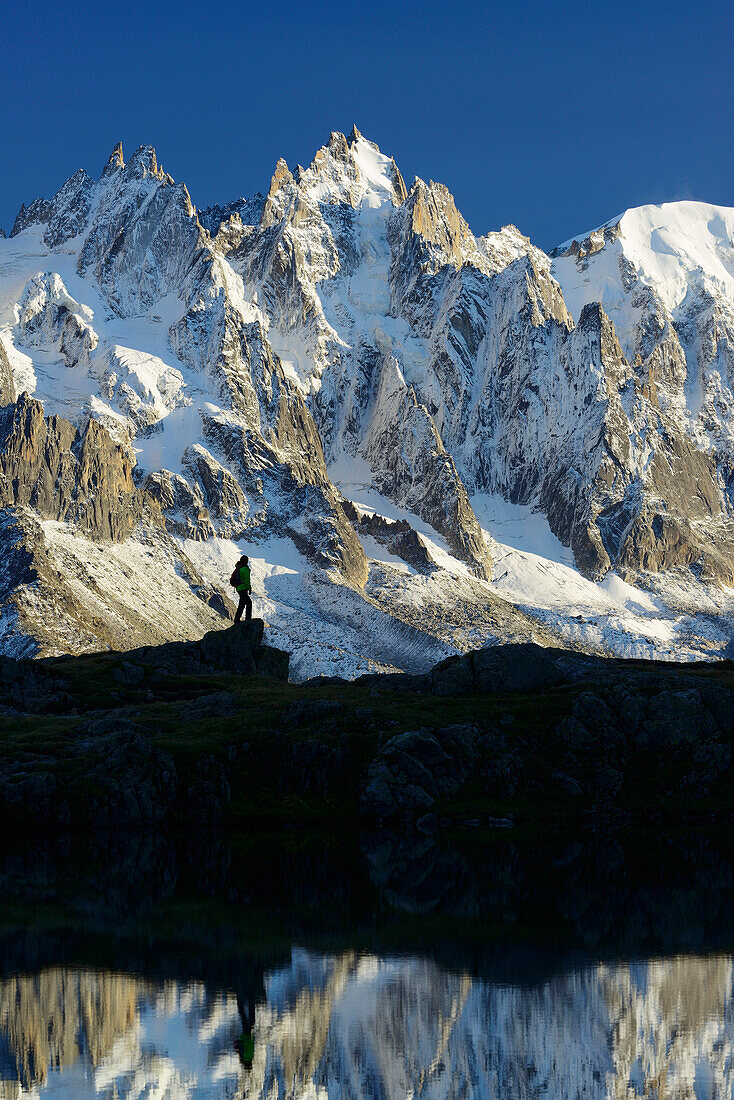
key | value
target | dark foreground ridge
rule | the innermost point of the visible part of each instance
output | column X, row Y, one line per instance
column 195, row 735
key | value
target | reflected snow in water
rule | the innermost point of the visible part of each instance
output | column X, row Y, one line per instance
column 352, row 1025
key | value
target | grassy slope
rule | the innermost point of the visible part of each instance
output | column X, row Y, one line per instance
column 269, row 785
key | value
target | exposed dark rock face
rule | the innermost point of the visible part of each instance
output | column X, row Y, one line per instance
column 396, row 535
column 589, row 245
column 49, row 316
column 247, row 211
column 413, row 467
column 7, row 385
column 669, row 508
column 66, row 474
column 524, row 667
column 182, row 506
column 48, row 589
column 367, row 409
column 72, row 205
column 37, row 212
column 288, row 465
column 415, row 770
column 127, row 781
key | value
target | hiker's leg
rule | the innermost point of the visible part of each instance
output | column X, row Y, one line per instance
column 240, row 606
column 248, row 608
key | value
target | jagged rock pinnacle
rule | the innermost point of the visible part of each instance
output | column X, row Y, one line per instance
column 114, row 162
column 143, row 162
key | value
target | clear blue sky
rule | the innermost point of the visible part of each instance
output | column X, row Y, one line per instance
column 554, row 116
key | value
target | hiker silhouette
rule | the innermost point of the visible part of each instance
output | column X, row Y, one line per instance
column 240, row 580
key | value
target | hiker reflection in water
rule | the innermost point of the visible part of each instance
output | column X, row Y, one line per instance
column 240, row 580
column 245, row 1044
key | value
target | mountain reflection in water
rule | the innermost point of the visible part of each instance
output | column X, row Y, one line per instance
column 358, row 1025
column 379, row 967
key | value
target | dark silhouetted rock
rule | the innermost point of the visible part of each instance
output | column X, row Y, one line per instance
column 415, row 769
column 273, row 662
column 107, row 777
column 234, row 649
column 522, row 667
column 239, row 649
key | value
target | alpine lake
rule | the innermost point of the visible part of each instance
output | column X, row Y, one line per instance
column 372, row 965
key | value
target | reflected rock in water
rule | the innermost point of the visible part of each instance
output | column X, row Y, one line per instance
column 81, row 1034
column 52, row 1019
column 363, row 1027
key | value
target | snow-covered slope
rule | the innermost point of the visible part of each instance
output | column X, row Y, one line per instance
column 665, row 276
column 336, row 378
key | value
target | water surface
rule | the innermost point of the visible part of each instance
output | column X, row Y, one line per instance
column 387, row 971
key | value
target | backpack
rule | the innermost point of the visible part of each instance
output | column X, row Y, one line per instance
column 234, row 580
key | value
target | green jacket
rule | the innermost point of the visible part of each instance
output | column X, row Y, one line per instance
column 244, row 585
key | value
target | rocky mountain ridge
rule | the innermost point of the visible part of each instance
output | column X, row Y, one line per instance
column 257, row 371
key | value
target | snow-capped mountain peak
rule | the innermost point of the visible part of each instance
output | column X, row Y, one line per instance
column 670, row 246
column 340, row 358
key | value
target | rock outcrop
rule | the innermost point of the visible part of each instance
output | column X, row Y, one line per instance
column 629, row 736
column 111, row 774
column 7, row 383
column 416, row 770
column 150, row 736
column 397, row 536
column 82, row 477
column 241, row 649
column 125, row 781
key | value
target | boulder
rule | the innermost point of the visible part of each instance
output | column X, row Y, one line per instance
column 239, row 648
column 414, row 770
column 234, row 649
column 273, row 662
column 518, row 667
